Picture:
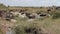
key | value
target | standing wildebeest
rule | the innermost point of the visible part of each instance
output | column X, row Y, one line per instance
column 15, row 13
column 21, row 11
column 2, row 13
column 9, row 16
column 42, row 14
column 22, row 15
column 30, row 16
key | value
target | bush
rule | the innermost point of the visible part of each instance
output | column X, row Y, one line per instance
column 19, row 30
column 56, row 15
column 0, row 31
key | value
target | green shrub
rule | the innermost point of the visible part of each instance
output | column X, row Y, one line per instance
column 56, row 15
column 19, row 30
column 0, row 31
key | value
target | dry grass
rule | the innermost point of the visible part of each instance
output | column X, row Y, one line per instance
column 52, row 26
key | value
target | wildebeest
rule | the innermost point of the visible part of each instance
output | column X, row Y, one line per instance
column 42, row 14
column 2, row 13
column 38, row 12
column 9, row 16
column 14, row 12
column 58, row 7
column 21, row 11
column 22, row 15
column 30, row 16
column 35, row 31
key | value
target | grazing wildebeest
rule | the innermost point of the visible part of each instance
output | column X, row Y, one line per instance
column 49, row 10
column 42, row 14
column 22, row 15
column 35, row 31
column 38, row 12
column 30, row 16
column 57, row 8
column 2, row 13
column 15, row 13
column 21, row 11
column 9, row 16
column 36, row 15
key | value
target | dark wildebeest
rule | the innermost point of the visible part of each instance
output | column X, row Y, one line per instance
column 42, row 14
column 21, row 11
column 49, row 10
column 9, row 16
column 38, row 12
column 2, row 13
column 30, row 16
column 57, row 8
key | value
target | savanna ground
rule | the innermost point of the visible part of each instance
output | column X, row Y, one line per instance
column 51, row 26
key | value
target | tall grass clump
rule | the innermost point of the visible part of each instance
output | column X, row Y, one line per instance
column 0, row 31
column 56, row 15
column 25, row 29
column 19, row 30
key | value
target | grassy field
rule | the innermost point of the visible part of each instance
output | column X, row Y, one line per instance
column 49, row 25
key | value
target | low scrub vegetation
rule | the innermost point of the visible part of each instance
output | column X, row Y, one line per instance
column 56, row 15
column 0, row 31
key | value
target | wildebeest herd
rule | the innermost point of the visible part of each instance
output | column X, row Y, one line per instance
column 9, row 15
